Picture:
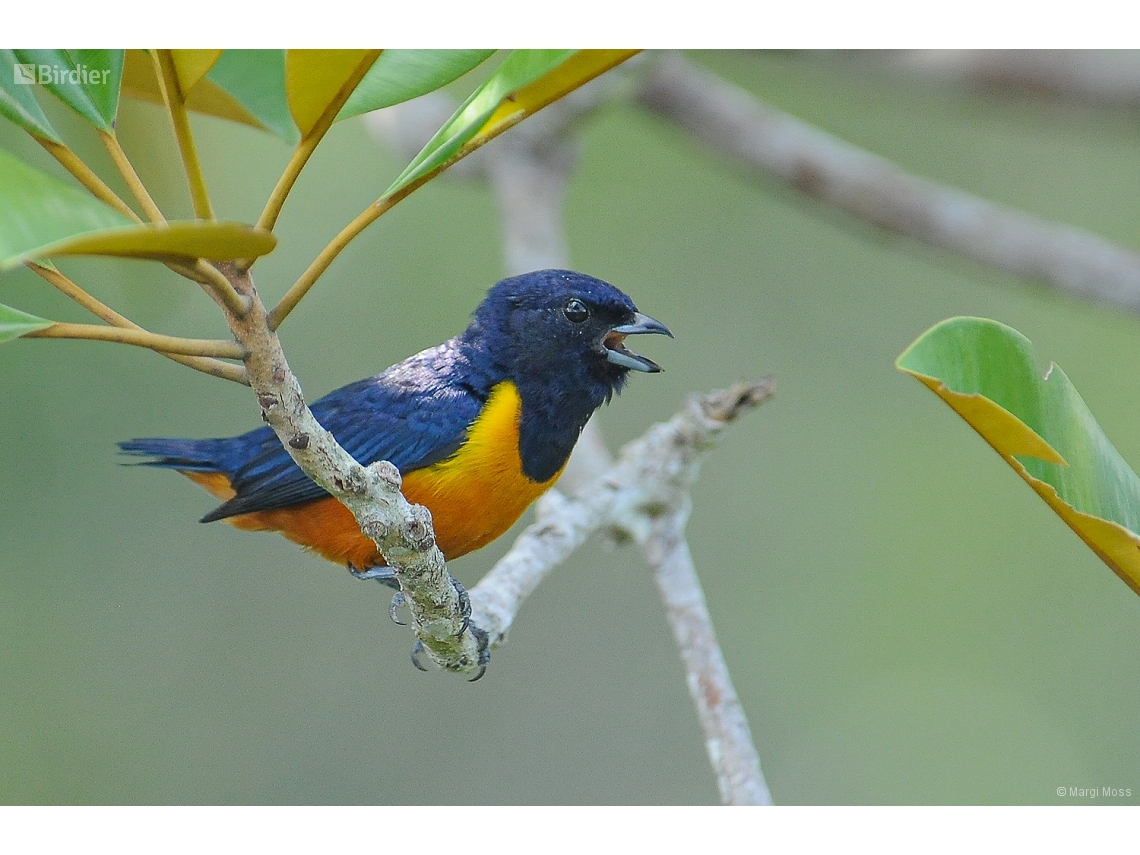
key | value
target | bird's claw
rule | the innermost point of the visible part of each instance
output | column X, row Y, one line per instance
column 417, row 650
column 484, row 642
column 384, row 575
column 464, row 605
column 398, row 601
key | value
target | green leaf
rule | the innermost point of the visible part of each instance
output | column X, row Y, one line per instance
column 41, row 216
column 1040, row 426
column 85, row 80
column 14, row 323
column 17, row 102
column 401, row 75
column 37, row 209
column 256, row 79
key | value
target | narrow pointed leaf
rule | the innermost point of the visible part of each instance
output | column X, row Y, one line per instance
column 316, row 79
column 14, row 323
column 519, row 69
column 17, row 102
column 180, row 239
column 1040, row 426
column 256, row 79
column 400, row 75
column 581, row 68
column 42, row 216
column 526, row 82
column 139, row 81
column 192, row 65
column 87, row 81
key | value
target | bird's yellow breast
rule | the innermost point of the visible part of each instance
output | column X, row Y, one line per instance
column 478, row 492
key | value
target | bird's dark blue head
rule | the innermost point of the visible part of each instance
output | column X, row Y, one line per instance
column 563, row 327
column 559, row 336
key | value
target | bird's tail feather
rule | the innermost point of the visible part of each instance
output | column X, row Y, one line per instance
column 188, row 455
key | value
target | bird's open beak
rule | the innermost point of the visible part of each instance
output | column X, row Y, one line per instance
column 619, row 354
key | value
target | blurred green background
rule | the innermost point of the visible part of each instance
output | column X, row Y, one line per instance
column 905, row 621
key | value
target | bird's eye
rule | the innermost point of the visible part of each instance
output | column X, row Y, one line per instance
column 576, row 311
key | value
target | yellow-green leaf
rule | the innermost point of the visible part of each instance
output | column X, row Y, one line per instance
column 318, row 79
column 180, row 239
column 191, row 66
column 14, row 323
column 140, row 81
column 1040, row 426
column 524, row 83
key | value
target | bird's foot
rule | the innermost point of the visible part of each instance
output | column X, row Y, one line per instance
column 464, row 605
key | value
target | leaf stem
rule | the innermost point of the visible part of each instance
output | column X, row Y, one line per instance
column 175, row 105
column 307, row 146
column 123, row 164
column 205, row 364
column 83, row 174
column 143, row 338
column 321, row 263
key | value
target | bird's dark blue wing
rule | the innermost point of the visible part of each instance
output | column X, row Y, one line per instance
column 414, row 414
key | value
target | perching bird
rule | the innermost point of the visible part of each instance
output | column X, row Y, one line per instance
column 479, row 426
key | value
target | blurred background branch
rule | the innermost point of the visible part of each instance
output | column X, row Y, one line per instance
column 776, row 146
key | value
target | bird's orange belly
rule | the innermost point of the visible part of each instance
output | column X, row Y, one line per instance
column 474, row 496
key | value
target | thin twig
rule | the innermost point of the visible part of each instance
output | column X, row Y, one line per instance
column 308, row 145
column 728, row 738
column 123, row 164
column 142, row 338
column 176, row 106
column 83, row 174
column 320, row 264
column 778, row 146
column 206, row 365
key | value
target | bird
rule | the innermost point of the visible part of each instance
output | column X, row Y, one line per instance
column 479, row 426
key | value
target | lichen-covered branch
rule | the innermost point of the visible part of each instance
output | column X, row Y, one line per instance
column 646, row 496
column 402, row 531
column 775, row 145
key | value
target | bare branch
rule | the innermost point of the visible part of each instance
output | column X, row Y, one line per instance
column 728, row 738
column 778, row 146
column 646, row 494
